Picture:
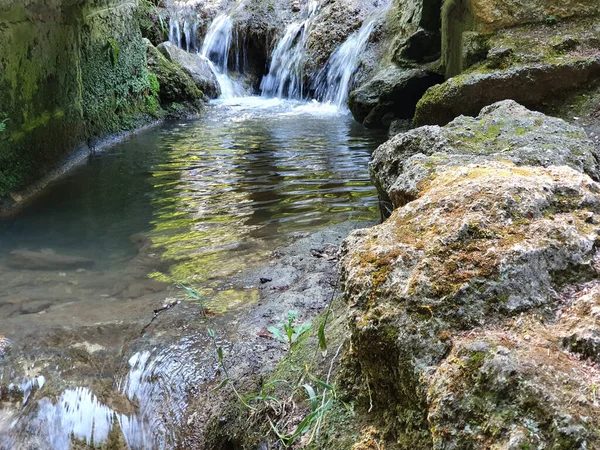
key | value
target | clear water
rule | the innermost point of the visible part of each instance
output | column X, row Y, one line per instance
column 213, row 195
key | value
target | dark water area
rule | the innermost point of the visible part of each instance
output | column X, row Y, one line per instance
column 210, row 191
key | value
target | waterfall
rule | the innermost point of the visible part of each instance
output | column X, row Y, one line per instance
column 334, row 80
column 183, row 24
column 285, row 77
column 215, row 49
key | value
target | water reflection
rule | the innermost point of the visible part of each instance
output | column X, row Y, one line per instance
column 245, row 177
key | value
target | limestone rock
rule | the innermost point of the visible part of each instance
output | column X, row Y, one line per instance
column 195, row 65
column 530, row 85
column 391, row 94
column 454, row 299
column 175, row 84
column 496, row 14
column 503, row 131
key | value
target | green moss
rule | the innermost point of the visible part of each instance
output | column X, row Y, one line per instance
column 64, row 81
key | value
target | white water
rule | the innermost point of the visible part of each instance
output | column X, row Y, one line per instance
column 335, row 79
column 183, row 24
column 285, row 77
column 215, row 49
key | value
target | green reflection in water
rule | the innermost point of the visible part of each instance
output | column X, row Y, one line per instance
column 240, row 182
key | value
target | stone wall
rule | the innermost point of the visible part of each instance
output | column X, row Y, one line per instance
column 69, row 70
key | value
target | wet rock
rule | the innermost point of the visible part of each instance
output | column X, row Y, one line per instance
column 447, row 297
column 195, row 65
column 47, row 259
column 175, row 84
column 391, row 93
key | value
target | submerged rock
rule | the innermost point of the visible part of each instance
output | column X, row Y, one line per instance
column 195, row 65
column 47, row 259
column 453, row 300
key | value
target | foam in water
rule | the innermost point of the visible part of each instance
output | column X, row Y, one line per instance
column 285, row 77
column 333, row 82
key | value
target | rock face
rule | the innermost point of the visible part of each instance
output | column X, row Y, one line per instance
column 532, row 64
column 195, row 65
column 530, row 85
column 65, row 67
column 391, row 94
column 455, row 298
column 175, row 84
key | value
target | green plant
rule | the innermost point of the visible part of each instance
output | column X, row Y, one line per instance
column 114, row 50
column 3, row 124
column 319, row 405
column 552, row 20
column 292, row 332
column 153, row 84
column 195, row 295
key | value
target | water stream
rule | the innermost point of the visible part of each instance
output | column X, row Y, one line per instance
column 199, row 201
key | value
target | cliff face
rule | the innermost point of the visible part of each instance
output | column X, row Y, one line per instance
column 70, row 70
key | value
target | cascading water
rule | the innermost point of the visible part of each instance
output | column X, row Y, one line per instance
column 334, row 80
column 285, row 77
column 183, row 24
column 215, row 49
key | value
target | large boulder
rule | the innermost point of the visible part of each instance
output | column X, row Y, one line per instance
column 504, row 131
column 531, row 85
column 391, row 94
column 536, row 65
column 175, row 85
column 195, row 65
column 449, row 297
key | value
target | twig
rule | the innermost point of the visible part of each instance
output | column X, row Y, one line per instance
column 158, row 311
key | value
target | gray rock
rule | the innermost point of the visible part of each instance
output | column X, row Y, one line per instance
column 196, row 66
column 491, row 221
column 529, row 84
column 503, row 131
column 392, row 93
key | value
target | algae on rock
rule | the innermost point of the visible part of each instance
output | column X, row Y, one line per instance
column 496, row 215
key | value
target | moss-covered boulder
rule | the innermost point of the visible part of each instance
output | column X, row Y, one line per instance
column 195, row 66
column 175, row 85
column 533, row 64
column 493, row 237
column 505, row 131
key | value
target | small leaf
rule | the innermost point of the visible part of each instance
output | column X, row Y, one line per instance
column 303, row 329
column 314, row 400
column 211, row 332
column 321, row 333
column 220, row 353
column 277, row 334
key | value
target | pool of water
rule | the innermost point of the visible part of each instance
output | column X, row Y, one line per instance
column 194, row 201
